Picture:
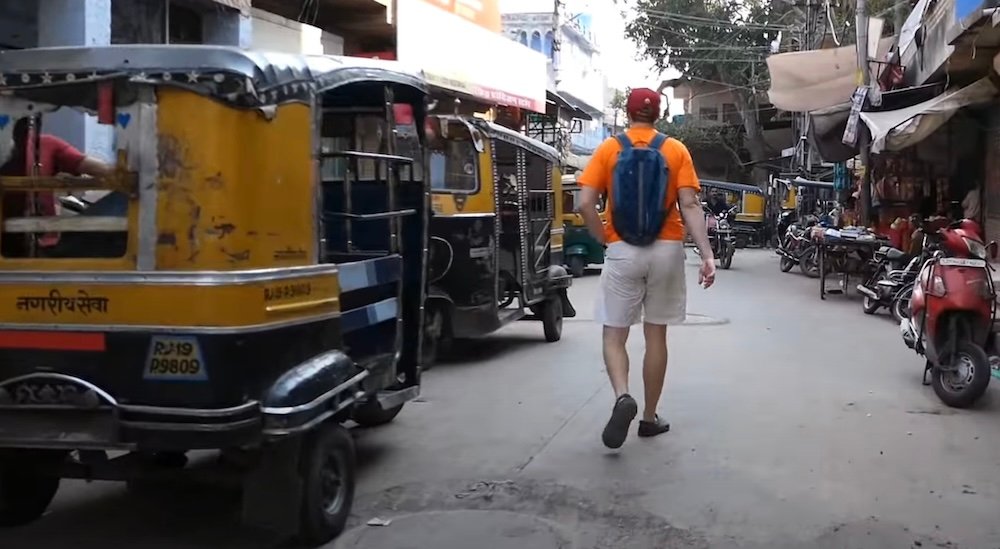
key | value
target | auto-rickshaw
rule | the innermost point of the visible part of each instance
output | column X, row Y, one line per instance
column 580, row 247
column 496, row 250
column 251, row 279
column 748, row 223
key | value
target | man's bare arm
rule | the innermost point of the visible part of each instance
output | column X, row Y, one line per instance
column 589, row 199
column 694, row 220
column 94, row 167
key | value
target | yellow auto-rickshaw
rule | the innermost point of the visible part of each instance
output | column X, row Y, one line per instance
column 496, row 251
column 581, row 248
column 251, row 278
column 748, row 223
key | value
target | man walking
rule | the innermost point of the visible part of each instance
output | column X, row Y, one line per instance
column 652, row 189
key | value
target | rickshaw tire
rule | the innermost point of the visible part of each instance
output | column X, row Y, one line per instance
column 577, row 266
column 330, row 442
column 552, row 319
column 25, row 495
column 371, row 414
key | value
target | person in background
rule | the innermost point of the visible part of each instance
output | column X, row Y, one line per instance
column 642, row 282
column 55, row 156
column 971, row 203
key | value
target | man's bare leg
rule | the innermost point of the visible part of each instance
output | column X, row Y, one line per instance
column 654, row 371
column 625, row 408
column 616, row 358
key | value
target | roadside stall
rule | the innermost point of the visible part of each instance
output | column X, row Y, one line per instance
column 844, row 253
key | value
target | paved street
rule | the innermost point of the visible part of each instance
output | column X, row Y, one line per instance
column 796, row 423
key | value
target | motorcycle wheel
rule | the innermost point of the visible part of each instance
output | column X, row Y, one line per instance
column 786, row 264
column 809, row 263
column 962, row 386
column 869, row 305
column 727, row 257
column 900, row 307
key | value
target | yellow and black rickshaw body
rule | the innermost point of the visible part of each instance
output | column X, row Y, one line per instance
column 253, row 278
column 496, row 249
column 748, row 222
column 581, row 248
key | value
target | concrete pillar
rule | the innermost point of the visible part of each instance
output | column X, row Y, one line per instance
column 76, row 23
column 227, row 27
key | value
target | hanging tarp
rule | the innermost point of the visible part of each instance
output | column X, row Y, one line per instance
column 805, row 81
column 902, row 128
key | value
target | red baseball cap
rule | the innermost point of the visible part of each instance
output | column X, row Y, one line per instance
column 643, row 103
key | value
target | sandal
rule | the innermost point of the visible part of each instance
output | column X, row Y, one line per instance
column 652, row 428
column 622, row 415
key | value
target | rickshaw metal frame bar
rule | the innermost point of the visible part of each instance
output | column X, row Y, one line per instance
column 148, row 175
column 64, row 224
column 522, row 193
column 391, row 175
column 291, row 410
column 319, row 225
column 127, row 182
column 395, row 214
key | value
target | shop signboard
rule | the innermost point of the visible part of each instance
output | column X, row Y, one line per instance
column 458, row 54
column 485, row 13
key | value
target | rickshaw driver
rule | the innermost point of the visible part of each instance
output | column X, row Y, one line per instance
column 644, row 281
column 55, row 156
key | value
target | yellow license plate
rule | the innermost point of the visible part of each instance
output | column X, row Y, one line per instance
column 175, row 358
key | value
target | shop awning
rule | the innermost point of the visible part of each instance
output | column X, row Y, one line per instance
column 804, row 81
column 582, row 105
column 242, row 5
column 729, row 186
column 898, row 129
column 558, row 100
column 803, row 182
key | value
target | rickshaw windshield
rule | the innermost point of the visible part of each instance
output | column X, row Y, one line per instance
column 454, row 161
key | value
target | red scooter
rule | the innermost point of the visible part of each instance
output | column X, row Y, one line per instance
column 952, row 312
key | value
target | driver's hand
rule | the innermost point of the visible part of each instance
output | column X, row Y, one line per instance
column 706, row 274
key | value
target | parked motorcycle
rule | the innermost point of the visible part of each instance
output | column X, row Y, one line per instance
column 952, row 312
column 890, row 274
column 721, row 236
column 796, row 244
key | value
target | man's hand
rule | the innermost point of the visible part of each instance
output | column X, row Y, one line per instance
column 706, row 274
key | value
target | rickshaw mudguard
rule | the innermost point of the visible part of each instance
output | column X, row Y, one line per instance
column 311, row 392
column 577, row 249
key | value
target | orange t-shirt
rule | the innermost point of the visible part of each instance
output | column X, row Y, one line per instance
column 600, row 171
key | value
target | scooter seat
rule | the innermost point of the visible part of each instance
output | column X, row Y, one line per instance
column 893, row 254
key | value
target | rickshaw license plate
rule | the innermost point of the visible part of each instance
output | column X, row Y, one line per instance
column 174, row 358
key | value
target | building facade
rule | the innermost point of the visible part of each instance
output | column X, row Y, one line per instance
column 563, row 34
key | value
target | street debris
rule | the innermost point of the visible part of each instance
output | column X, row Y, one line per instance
column 379, row 522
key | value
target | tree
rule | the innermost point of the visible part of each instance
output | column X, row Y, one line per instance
column 716, row 41
column 618, row 102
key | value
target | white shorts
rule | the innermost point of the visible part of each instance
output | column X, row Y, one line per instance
column 642, row 283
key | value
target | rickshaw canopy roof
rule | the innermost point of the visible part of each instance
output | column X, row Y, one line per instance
column 240, row 77
column 500, row 133
column 729, row 186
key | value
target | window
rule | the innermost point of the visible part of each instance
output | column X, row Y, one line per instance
column 185, row 26
column 536, row 41
column 708, row 113
column 524, row 38
column 453, row 166
column 550, row 50
column 730, row 114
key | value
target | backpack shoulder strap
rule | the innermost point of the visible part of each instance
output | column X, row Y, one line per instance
column 658, row 141
column 624, row 141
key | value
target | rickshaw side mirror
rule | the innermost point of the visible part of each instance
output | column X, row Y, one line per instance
column 992, row 249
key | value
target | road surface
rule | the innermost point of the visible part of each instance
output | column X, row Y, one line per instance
column 796, row 423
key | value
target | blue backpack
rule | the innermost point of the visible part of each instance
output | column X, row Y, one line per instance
column 639, row 191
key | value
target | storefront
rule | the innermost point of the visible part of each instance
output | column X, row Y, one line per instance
column 463, row 53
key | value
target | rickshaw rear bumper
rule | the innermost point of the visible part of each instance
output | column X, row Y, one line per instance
column 130, row 427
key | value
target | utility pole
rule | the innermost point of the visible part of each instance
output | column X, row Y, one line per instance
column 864, row 79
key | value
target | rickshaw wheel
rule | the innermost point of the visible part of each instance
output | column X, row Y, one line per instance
column 577, row 266
column 25, row 493
column 371, row 414
column 328, row 469
column 437, row 338
column 552, row 319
